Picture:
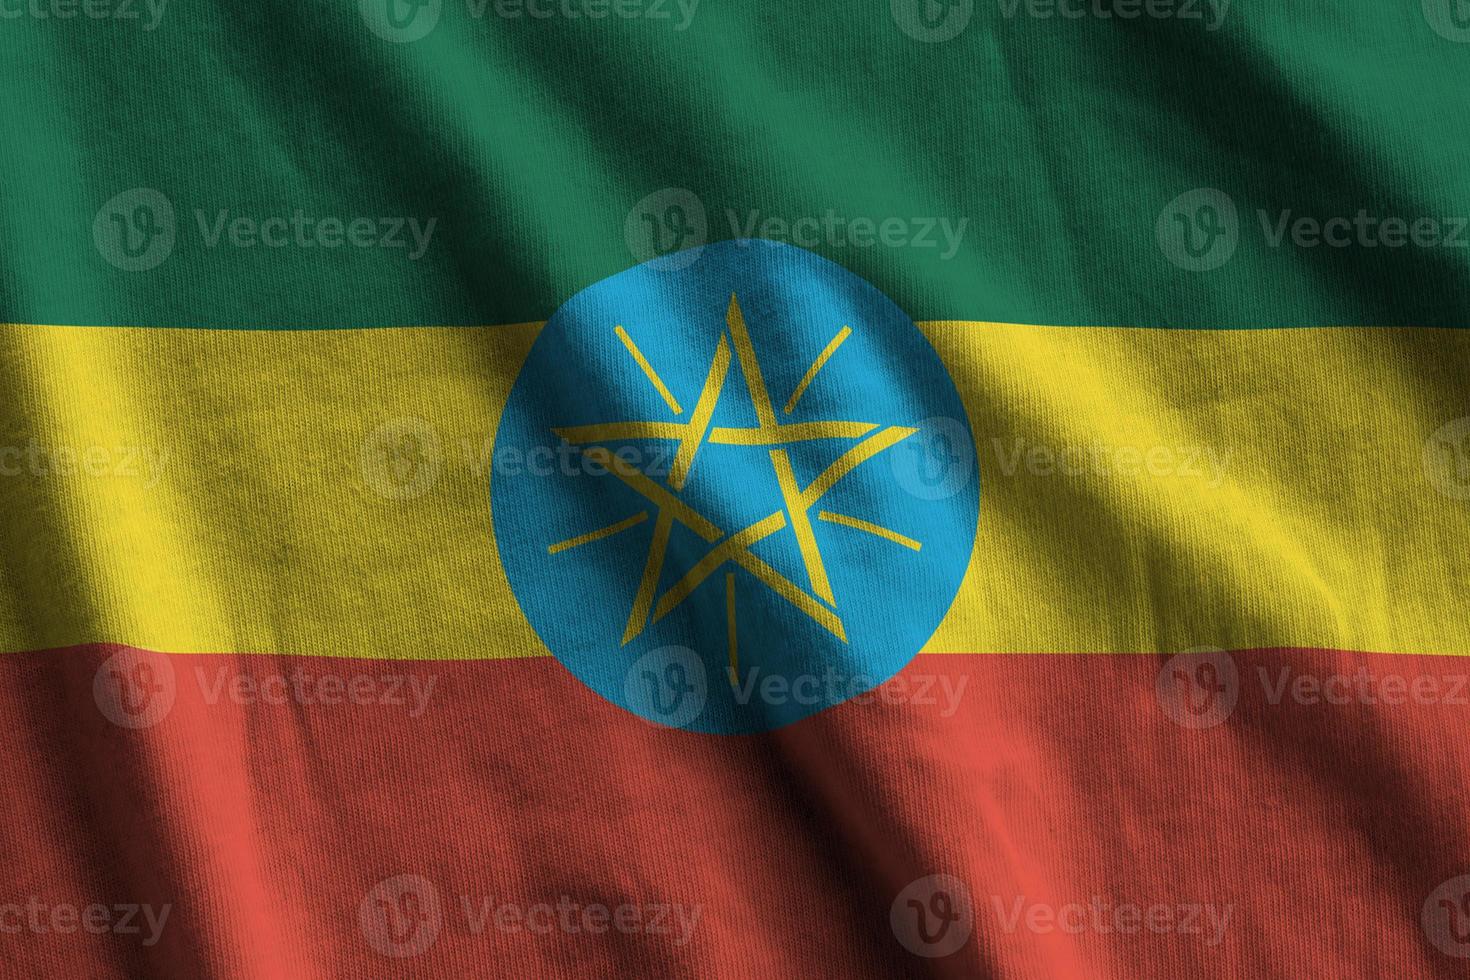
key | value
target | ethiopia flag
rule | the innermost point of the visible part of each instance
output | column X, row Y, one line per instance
column 677, row 488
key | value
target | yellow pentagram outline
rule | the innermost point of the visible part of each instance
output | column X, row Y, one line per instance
column 769, row 431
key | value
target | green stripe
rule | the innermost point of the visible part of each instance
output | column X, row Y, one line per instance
column 1058, row 141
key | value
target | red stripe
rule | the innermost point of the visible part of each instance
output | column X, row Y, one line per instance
column 1322, row 827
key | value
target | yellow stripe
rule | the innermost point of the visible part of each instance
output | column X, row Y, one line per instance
column 247, row 491
column 704, row 411
column 711, row 562
column 643, row 602
column 801, row 525
column 852, row 459
column 1321, row 527
column 816, row 368
column 1144, row 490
column 749, row 366
column 780, row 435
column 665, row 501
column 598, row 535
column 876, row 529
column 777, row 435
column 788, row 591
column 649, row 372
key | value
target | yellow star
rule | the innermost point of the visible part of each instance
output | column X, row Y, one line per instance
column 769, row 432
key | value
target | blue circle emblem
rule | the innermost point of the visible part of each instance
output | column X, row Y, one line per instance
column 732, row 493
